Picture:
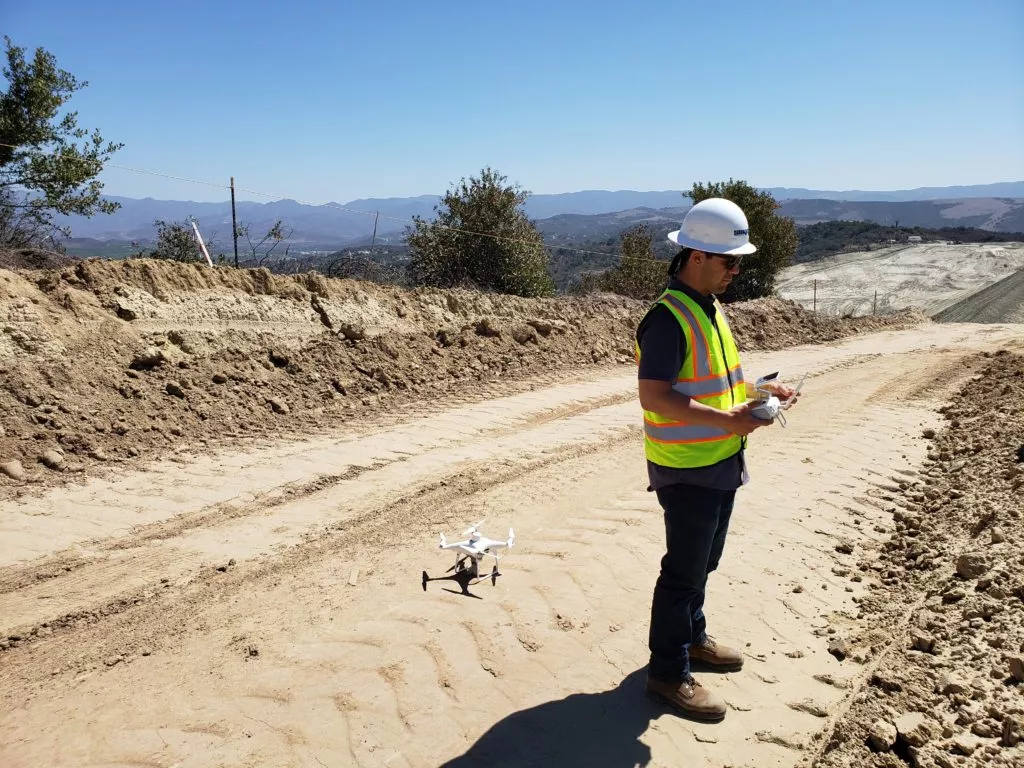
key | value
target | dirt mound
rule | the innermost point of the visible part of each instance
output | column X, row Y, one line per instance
column 33, row 258
column 1001, row 302
column 103, row 362
column 778, row 323
column 948, row 689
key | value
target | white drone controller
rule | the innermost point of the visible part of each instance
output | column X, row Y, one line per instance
column 770, row 407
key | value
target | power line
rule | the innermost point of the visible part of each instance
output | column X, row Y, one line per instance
column 340, row 207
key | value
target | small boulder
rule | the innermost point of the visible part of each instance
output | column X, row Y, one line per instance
column 1012, row 732
column 887, row 681
column 279, row 407
column 1017, row 668
column 174, row 388
column 52, row 459
column 971, row 565
column 13, row 470
column 922, row 641
column 352, row 331
column 881, row 735
column 149, row 358
column 488, row 326
column 839, row 648
column 914, row 728
column 125, row 312
column 542, row 327
column 965, row 743
column 949, row 685
column 524, row 334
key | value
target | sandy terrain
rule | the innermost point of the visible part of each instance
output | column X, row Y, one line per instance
column 927, row 277
column 263, row 606
column 218, row 490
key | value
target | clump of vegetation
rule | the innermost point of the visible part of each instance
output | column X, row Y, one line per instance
column 638, row 274
column 480, row 238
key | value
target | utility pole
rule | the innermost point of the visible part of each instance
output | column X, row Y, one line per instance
column 234, row 223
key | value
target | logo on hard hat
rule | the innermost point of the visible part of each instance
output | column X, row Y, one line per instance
column 741, row 232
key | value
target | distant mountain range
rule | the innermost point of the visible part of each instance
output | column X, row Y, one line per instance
column 997, row 207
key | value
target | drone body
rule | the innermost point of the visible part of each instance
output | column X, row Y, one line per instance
column 474, row 549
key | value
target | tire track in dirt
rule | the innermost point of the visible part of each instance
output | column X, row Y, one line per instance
column 187, row 543
column 370, row 531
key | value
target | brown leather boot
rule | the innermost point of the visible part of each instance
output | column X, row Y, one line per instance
column 688, row 697
column 717, row 656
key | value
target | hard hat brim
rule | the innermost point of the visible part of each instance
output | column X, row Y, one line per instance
column 682, row 240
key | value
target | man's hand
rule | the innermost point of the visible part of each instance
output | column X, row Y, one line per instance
column 781, row 391
column 740, row 421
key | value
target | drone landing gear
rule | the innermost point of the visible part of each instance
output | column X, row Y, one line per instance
column 464, row 576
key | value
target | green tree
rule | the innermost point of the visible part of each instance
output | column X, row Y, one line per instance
column 175, row 241
column 480, row 237
column 48, row 164
column 775, row 237
column 638, row 274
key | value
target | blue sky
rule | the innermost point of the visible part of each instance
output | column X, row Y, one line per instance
column 331, row 101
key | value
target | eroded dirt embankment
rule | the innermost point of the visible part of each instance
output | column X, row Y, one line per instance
column 104, row 362
column 943, row 626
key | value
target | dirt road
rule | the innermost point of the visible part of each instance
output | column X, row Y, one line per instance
column 999, row 302
column 265, row 607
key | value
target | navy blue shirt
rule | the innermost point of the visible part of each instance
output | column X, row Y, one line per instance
column 662, row 351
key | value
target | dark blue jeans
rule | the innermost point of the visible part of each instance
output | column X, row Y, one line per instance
column 696, row 522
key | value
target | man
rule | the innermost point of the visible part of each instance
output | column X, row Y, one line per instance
column 696, row 421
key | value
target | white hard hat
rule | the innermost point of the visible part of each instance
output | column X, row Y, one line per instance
column 715, row 225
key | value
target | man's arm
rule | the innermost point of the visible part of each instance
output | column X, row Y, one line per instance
column 658, row 396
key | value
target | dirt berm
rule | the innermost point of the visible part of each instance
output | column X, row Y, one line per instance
column 944, row 625
column 106, row 362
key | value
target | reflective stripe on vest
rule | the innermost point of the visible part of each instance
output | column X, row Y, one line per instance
column 678, row 432
column 704, row 384
column 714, row 378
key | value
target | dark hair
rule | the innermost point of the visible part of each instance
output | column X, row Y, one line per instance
column 679, row 260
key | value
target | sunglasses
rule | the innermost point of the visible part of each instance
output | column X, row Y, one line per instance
column 731, row 262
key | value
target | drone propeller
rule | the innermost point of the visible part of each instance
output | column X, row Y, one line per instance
column 473, row 527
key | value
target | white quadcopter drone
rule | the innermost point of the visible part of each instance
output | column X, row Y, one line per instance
column 770, row 407
column 474, row 549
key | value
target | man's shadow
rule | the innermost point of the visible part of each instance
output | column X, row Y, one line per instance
column 584, row 729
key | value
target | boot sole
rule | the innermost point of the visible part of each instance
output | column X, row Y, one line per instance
column 704, row 717
column 707, row 666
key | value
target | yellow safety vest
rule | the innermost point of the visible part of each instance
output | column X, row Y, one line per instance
column 712, row 375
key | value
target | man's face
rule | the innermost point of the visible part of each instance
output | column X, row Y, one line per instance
column 719, row 270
